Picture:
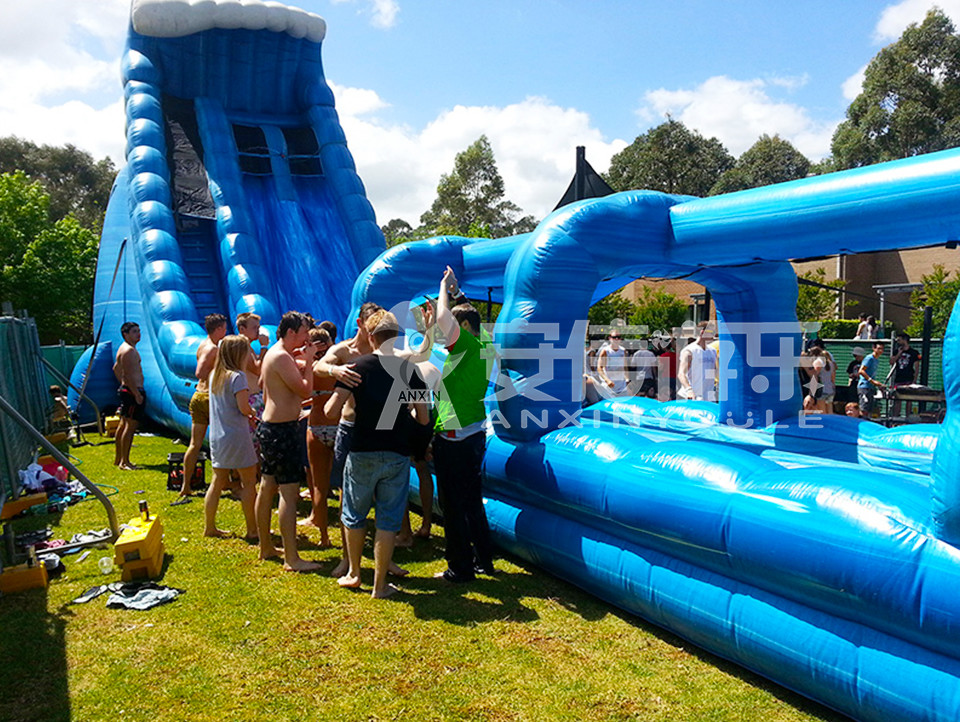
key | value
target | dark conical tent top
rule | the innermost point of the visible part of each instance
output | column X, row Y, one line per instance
column 586, row 183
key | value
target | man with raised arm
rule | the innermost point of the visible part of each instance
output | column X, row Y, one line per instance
column 285, row 385
column 216, row 327
column 133, row 398
column 337, row 363
column 460, row 439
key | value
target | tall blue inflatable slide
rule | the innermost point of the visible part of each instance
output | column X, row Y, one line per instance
column 819, row 552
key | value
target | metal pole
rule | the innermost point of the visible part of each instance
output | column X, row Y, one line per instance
column 83, row 396
column 925, row 345
column 68, row 465
column 883, row 298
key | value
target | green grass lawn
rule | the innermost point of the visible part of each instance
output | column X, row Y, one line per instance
column 249, row 641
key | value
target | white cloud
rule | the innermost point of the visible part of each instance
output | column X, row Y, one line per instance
column 54, row 85
column 533, row 142
column 895, row 18
column 383, row 13
column 738, row 112
column 854, row 84
column 99, row 131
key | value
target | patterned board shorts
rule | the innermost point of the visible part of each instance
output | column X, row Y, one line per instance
column 281, row 451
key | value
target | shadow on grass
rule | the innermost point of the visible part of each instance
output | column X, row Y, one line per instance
column 33, row 679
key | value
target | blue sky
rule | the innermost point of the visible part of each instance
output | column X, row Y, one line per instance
column 417, row 81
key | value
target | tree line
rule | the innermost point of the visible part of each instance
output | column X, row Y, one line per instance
column 52, row 205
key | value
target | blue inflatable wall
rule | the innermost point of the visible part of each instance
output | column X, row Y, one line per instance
column 817, row 552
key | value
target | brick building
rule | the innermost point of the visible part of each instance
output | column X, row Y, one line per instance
column 862, row 272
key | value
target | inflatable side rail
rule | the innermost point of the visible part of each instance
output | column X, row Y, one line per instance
column 169, row 312
column 850, row 667
column 551, row 280
column 907, row 448
column 810, row 534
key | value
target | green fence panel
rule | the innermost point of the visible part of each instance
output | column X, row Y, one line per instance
column 22, row 383
column 842, row 351
column 63, row 357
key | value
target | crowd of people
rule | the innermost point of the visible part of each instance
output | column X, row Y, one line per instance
column 656, row 370
column 352, row 417
column 349, row 417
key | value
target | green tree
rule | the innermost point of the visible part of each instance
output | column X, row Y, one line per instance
column 816, row 304
column 610, row 307
column 397, row 231
column 669, row 158
column 46, row 267
column 910, row 102
column 658, row 310
column 768, row 161
column 472, row 197
column 939, row 291
column 77, row 185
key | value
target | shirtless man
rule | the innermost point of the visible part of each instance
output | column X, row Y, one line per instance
column 133, row 398
column 336, row 364
column 285, row 385
column 216, row 327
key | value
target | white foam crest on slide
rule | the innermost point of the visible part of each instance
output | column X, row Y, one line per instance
column 176, row 18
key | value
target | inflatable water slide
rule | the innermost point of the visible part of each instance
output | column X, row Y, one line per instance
column 238, row 195
column 820, row 553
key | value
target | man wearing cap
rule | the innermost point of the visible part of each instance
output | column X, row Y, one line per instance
column 853, row 368
column 904, row 365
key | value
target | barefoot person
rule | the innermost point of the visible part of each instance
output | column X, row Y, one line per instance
column 133, row 398
column 321, row 433
column 337, row 363
column 216, row 326
column 377, row 472
column 231, row 446
column 285, row 385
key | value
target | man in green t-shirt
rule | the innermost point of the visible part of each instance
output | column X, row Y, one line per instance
column 461, row 436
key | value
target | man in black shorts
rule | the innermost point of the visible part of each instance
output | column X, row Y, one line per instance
column 133, row 398
column 285, row 385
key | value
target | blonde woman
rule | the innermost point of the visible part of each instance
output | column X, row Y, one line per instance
column 231, row 446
